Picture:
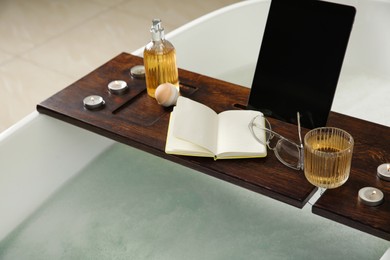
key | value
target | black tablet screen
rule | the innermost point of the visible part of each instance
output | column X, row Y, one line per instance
column 300, row 59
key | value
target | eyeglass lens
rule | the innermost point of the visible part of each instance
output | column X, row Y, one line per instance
column 286, row 151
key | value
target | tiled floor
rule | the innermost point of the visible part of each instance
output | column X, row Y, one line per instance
column 46, row 45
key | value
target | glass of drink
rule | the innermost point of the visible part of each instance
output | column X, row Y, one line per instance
column 327, row 157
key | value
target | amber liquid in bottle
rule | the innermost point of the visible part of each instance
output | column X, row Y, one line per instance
column 160, row 65
column 159, row 60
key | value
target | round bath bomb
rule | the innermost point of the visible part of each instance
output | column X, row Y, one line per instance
column 166, row 94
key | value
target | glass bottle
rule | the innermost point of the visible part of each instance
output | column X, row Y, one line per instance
column 159, row 60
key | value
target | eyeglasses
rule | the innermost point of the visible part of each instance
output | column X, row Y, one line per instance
column 288, row 152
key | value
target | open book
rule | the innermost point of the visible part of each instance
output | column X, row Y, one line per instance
column 196, row 130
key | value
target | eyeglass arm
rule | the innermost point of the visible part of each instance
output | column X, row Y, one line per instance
column 299, row 129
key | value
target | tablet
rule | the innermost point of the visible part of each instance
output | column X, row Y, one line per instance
column 300, row 60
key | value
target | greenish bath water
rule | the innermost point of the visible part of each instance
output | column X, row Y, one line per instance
column 129, row 204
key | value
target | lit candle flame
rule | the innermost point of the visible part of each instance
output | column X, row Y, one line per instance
column 372, row 196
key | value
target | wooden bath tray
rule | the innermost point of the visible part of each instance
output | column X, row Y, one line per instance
column 137, row 120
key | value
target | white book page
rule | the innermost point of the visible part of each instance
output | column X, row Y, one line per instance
column 179, row 146
column 196, row 123
column 234, row 136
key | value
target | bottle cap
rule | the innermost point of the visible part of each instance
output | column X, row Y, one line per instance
column 157, row 30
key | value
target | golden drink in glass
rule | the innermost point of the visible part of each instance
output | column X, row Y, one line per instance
column 328, row 156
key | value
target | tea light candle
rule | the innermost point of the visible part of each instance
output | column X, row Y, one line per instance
column 138, row 72
column 371, row 196
column 93, row 102
column 117, row 86
column 383, row 171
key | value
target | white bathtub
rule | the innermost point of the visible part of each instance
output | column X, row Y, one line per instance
column 66, row 192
